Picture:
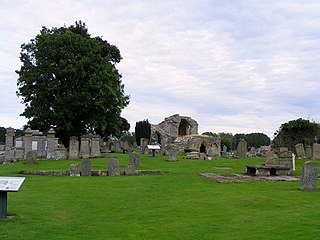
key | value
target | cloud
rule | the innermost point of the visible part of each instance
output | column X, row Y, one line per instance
column 238, row 66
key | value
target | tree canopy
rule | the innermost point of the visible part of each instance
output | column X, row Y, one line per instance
column 296, row 131
column 142, row 130
column 69, row 81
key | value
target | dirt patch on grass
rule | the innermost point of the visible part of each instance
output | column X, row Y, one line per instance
column 246, row 178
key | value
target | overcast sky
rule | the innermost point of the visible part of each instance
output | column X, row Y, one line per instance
column 238, row 66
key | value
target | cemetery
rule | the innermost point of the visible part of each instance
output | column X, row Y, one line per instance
column 137, row 193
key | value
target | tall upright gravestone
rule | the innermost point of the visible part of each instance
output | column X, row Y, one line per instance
column 300, row 150
column 95, row 146
column 241, row 149
column 9, row 148
column 73, row 148
column 316, row 151
column 85, row 147
column 309, row 176
column 50, row 144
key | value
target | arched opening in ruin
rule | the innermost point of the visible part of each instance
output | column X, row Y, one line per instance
column 184, row 127
column 158, row 137
column 203, row 148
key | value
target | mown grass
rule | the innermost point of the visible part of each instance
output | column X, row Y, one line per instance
column 178, row 205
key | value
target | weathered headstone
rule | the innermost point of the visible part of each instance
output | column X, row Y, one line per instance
column 95, row 146
column 171, row 150
column 270, row 158
column 130, row 170
column 309, row 176
column 50, row 144
column 300, row 150
column 224, row 149
column 85, row 147
column 125, row 146
column 31, row 157
column 9, row 148
column 316, row 151
column 241, row 149
column 134, row 160
column 309, row 152
column 27, row 141
column 74, row 170
column 203, row 156
column 113, row 168
column 286, row 160
column 73, row 148
column 86, row 168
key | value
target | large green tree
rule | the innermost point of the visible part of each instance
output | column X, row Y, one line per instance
column 69, row 81
column 296, row 131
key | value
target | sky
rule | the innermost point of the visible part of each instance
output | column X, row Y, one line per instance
column 234, row 66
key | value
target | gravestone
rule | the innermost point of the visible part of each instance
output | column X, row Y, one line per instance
column 74, row 170
column 130, row 170
column 286, row 160
column 171, row 150
column 309, row 152
column 309, row 176
column 300, row 150
column 134, row 160
column 73, row 148
column 31, row 157
column 125, row 147
column 86, row 168
column 50, row 144
column 316, row 151
column 224, row 149
column 85, row 147
column 95, row 146
column 269, row 158
column 113, row 168
column 241, row 149
column 203, row 156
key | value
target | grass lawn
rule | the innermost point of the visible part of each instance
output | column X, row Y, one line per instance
column 178, row 205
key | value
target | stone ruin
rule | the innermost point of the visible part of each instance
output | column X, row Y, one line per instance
column 183, row 132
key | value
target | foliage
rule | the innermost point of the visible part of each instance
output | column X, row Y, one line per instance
column 142, row 130
column 296, row 131
column 179, row 205
column 129, row 137
column 253, row 139
column 69, row 81
column 226, row 140
column 2, row 135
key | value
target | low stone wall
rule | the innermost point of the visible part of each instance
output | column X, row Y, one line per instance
column 93, row 172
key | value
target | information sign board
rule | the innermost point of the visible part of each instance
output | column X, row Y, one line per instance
column 153, row 147
column 11, row 184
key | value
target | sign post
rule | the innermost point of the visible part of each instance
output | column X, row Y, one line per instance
column 8, row 184
column 153, row 148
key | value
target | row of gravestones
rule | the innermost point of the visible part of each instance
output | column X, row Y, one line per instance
column 113, row 167
column 309, row 152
